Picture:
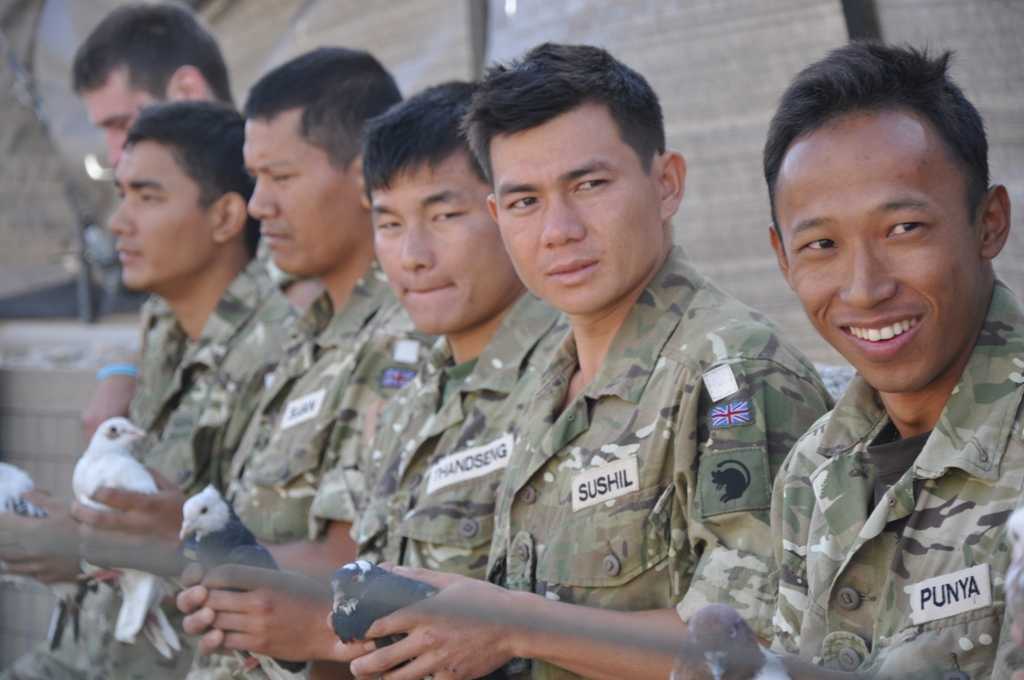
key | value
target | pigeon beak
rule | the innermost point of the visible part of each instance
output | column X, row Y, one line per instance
column 186, row 530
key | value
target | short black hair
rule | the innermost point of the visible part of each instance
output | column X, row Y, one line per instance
column 151, row 42
column 206, row 140
column 865, row 76
column 337, row 89
column 553, row 79
column 423, row 130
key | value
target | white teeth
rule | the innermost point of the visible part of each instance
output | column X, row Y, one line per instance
column 884, row 333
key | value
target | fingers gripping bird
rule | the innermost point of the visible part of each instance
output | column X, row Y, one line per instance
column 14, row 484
column 213, row 534
column 109, row 462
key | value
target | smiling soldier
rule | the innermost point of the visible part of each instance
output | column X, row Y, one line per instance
column 890, row 512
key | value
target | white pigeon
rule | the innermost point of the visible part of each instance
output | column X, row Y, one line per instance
column 109, row 462
column 1015, row 574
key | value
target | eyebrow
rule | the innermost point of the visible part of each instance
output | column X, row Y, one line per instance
column 904, row 204
column 117, row 120
column 141, row 184
column 575, row 173
column 443, row 196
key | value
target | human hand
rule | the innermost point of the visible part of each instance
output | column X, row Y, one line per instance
column 279, row 614
column 157, row 515
column 441, row 641
column 42, row 548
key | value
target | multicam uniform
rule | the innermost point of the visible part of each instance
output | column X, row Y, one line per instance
column 303, row 458
column 193, row 424
column 160, row 352
column 444, row 449
column 923, row 600
column 651, row 489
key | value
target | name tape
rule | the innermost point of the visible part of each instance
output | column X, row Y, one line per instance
column 302, row 409
column 604, row 483
column 470, row 463
column 950, row 594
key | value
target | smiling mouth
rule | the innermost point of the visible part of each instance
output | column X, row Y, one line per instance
column 883, row 333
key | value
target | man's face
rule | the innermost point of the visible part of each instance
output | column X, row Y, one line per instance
column 164, row 235
column 878, row 245
column 584, row 223
column 113, row 108
column 441, row 250
column 312, row 211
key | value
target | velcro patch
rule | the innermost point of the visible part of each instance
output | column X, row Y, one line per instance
column 605, row 483
column 721, row 382
column 737, row 481
column 950, row 594
column 406, row 351
column 469, row 464
column 738, row 412
column 395, row 378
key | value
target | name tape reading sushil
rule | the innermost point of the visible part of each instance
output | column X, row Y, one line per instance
column 471, row 463
column 605, row 483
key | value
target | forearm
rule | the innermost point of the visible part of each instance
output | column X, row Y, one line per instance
column 597, row 643
column 317, row 559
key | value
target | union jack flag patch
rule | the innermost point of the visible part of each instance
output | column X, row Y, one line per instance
column 734, row 413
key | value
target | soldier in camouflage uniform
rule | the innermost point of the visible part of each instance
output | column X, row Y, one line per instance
column 198, row 419
column 639, row 487
column 299, row 479
column 445, row 441
column 890, row 513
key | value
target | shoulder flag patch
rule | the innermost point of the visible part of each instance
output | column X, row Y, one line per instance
column 732, row 414
column 395, row 378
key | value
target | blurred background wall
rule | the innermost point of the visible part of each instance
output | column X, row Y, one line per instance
column 718, row 65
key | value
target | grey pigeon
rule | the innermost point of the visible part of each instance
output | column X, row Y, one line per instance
column 363, row 593
column 213, row 534
column 731, row 650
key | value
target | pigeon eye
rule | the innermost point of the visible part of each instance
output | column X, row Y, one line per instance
column 203, row 511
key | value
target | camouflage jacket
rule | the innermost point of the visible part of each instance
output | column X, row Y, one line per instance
column 443, row 460
column 651, row 489
column 160, row 350
column 315, row 413
column 853, row 596
column 198, row 420
column 189, row 428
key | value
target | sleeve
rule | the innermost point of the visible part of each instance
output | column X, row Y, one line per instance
column 742, row 440
column 348, row 472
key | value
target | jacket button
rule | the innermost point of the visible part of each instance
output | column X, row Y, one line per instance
column 529, row 495
column 611, row 565
column 849, row 659
column 469, row 528
column 523, row 552
column 849, row 598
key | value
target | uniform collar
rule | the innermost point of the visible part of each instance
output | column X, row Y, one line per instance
column 243, row 297
column 637, row 346
column 329, row 329
column 975, row 425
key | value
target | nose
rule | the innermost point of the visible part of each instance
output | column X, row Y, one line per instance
column 120, row 222
column 562, row 224
column 417, row 252
column 870, row 281
column 261, row 203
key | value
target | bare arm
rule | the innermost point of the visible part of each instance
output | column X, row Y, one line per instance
column 318, row 559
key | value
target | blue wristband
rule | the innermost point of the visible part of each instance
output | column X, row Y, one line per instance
column 111, row 370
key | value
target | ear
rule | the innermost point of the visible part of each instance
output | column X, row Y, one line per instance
column 780, row 251
column 356, row 166
column 492, row 206
column 229, row 217
column 671, row 169
column 994, row 221
column 188, row 84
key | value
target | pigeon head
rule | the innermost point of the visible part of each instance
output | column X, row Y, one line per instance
column 205, row 513
column 114, row 435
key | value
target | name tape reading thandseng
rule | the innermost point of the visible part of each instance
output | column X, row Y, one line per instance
column 950, row 594
column 605, row 483
column 471, row 463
